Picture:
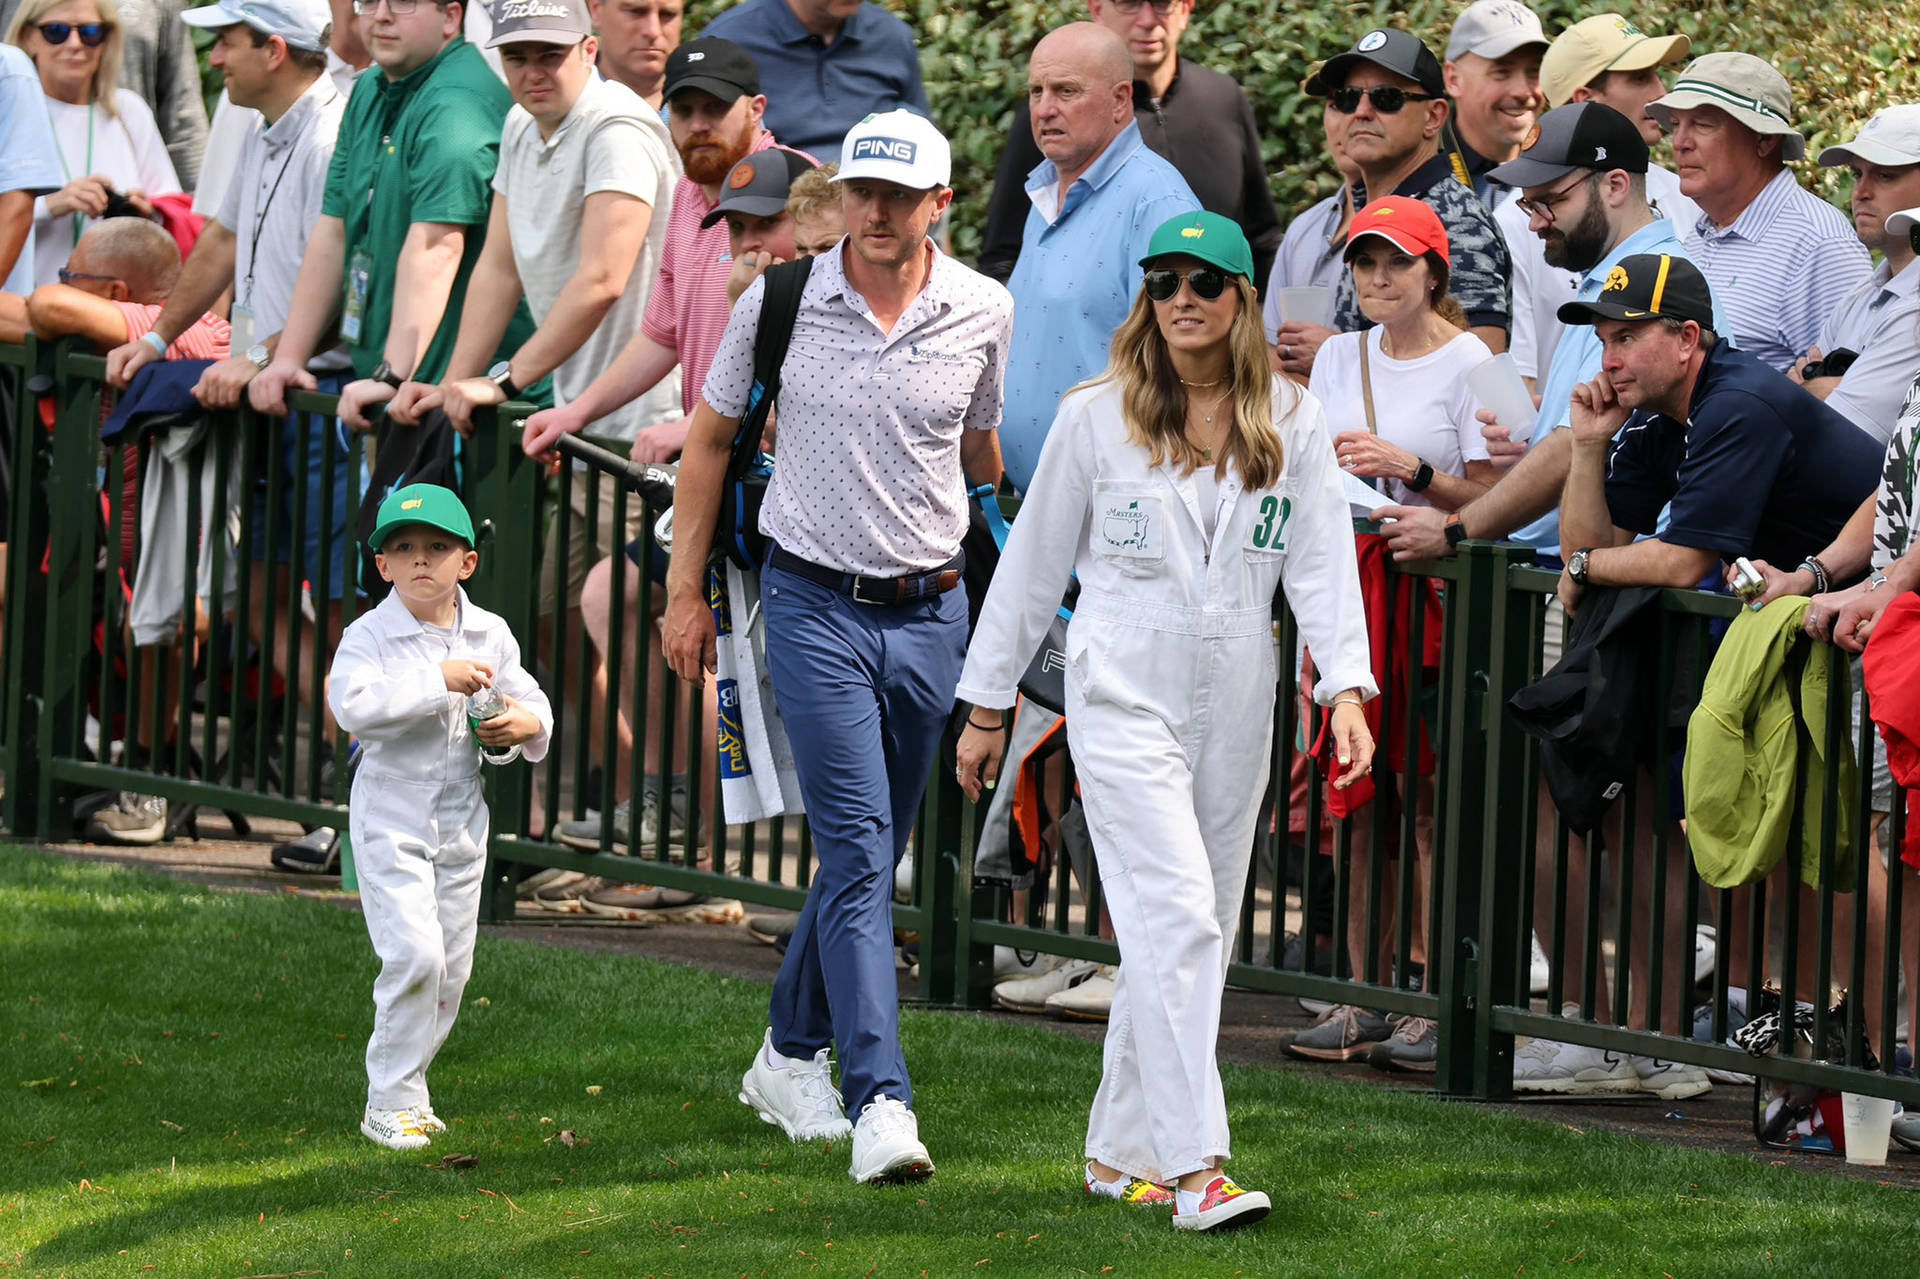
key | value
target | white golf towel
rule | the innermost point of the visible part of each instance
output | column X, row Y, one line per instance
column 757, row 777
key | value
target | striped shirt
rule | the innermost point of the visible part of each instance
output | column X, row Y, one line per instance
column 688, row 307
column 1780, row 268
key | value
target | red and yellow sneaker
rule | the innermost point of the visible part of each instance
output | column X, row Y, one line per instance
column 1132, row 1190
column 1223, row 1204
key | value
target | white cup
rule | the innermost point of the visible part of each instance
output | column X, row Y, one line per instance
column 1308, row 304
column 1869, row 1124
column 1497, row 384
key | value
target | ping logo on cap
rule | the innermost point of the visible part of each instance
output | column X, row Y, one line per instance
column 1616, row 280
column 1192, row 232
column 898, row 149
column 1371, row 41
column 412, row 503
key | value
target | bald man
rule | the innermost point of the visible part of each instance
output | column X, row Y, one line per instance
column 1096, row 200
column 114, row 285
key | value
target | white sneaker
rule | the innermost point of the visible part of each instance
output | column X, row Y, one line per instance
column 430, row 1123
column 1671, row 1080
column 1540, row 972
column 1906, row 1129
column 1030, row 994
column 394, row 1129
column 1091, row 1000
column 886, row 1144
column 1012, row 962
column 1547, row 1065
column 795, row 1095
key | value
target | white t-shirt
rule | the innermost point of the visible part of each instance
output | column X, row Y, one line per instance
column 126, row 149
column 611, row 141
column 1422, row 405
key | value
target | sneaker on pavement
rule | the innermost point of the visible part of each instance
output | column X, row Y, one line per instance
column 315, row 853
column 1906, row 1129
column 394, row 1129
column 1413, row 1045
column 1030, row 994
column 795, row 1094
column 643, row 903
column 1223, row 1204
column 1091, row 1000
column 1131, row 1190
column 1011, row 962
column 886, row 1144
column 133, row 818
column 1550, row 1066
column 774, row 930
column 564, row 894
column 1345, row 1032
column 1670, row 1080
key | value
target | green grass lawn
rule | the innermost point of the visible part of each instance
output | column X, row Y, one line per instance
column 182, row 1076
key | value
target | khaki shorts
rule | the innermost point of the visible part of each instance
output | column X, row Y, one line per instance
column 582, row 553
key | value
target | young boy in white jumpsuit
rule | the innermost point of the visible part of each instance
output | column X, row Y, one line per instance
column 418, row 817
column 1171, row 677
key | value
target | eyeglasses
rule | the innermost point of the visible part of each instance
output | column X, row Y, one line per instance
column 92, row 34
column 68, row 277
column 1386, row 99
column 1206, row 282
column 1544, row 207
column 1161, row 8
column 398, row 8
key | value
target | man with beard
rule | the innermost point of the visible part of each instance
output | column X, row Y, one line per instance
column 715, row 110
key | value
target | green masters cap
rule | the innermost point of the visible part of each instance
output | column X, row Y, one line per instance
column 1215, row 240
column 428, row 504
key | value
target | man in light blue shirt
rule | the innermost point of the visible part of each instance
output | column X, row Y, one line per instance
column 1097, row 198
column 29, row 165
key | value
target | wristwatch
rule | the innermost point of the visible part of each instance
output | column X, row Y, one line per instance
column 259, row 356
column 501, row 376
column 1422, row 476
column 1577, row 566
column 383, row 372
column 1455, row 530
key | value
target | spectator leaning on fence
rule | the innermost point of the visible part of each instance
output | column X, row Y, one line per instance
column 1309, row 255
column 1493, row 76
column 1869, row 348
column 636, row 39
column 831, row 63
column 1779, row 258
column 1391, row 85
column 865, row 629
column 1094, row 203
column 1198, row 119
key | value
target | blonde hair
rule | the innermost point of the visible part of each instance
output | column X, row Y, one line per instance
column 1155, row 404
column 106, row 76
column 813, row 193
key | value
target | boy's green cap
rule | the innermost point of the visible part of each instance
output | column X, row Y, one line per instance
column 1215, row 240
column 428, row 504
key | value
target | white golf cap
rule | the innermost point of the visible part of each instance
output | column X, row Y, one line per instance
column 897, row 146
column 1494, row 28
column 303, row 24
column 1903, row 222
column 1891, row 138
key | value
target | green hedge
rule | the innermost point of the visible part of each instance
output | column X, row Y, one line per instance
column 1844, row 57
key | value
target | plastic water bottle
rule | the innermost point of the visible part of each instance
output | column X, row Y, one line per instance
column 481, row 707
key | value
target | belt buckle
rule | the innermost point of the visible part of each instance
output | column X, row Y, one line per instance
column 863, row 595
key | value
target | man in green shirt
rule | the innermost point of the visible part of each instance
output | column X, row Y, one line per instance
column 404, row 215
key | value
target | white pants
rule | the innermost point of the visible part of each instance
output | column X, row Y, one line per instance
column 420, row 851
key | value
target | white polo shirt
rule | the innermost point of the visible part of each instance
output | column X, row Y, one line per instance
column 1881, row 320
column 868, row 478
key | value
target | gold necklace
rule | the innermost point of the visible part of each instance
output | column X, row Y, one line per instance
column 1207, row 415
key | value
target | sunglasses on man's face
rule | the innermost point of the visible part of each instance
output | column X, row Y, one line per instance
column 1386, row 99
column 1206, row 282
column 92, row 34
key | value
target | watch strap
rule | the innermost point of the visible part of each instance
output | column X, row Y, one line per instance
column 1455, row 529
column 1422, row 476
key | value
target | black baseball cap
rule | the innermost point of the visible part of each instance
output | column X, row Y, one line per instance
column 719, row 67
column 759, row 184
column 1647, row 286
column 1397, row 51
column 1580, row 135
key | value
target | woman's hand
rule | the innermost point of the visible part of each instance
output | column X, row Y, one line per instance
column 85, row 196
column 1775, row 584
column 1364, row 453
column 977, row 758
column 1352, row 743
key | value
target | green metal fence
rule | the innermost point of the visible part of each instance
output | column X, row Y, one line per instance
column 230, row 720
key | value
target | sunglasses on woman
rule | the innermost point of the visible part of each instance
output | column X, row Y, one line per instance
column 1206, row 282
column 1386, row 99
column 92, row 34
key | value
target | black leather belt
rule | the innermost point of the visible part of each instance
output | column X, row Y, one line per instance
column 874, row 590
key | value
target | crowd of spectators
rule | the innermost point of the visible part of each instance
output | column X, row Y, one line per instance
column 429, row 209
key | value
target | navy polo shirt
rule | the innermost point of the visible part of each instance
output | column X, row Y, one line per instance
column 1761, row 467
column 817, row 91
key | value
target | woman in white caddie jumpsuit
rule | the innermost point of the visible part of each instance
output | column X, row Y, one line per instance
column 1186, row 487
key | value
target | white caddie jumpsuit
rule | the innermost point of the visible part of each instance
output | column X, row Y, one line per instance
column 1170, row 689
column 418, row 821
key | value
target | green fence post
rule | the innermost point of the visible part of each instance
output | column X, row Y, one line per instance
column 24, row 658
column 73, row 488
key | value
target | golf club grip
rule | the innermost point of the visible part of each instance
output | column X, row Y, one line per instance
column 652, row 483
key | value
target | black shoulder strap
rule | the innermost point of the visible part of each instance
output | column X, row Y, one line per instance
column 779, row 308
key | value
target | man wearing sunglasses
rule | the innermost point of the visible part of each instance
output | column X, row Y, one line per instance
column 1393, row 89
column 1196, row 117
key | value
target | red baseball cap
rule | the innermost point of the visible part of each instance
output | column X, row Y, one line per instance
column 1407, row 224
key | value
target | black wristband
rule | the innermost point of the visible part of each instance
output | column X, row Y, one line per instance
column 986, row 728
column 1456, row 531
column 1422, row 476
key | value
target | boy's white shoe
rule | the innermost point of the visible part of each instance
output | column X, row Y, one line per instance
column 795, row 1095
column 394, row 1129
column 886, row 1144
column 432, row 1124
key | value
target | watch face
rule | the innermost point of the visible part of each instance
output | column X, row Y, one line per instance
column 259, row 355
column 498, row 372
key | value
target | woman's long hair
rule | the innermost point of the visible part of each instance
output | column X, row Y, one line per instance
column 106, row 77
column 1155, row 403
